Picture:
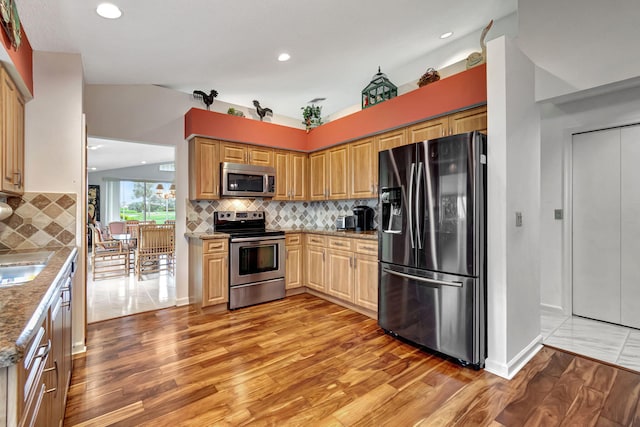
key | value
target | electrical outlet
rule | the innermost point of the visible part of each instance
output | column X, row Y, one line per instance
column 557, row 214
column 518, row 219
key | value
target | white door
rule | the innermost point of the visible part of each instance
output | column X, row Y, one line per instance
column 596, row 225
column 630, row 223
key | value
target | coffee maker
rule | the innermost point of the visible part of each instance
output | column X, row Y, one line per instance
column 363, row 218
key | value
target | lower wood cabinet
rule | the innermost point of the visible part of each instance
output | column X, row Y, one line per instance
column 343, row 268
column 314, row 258
column 208, row 272
column 293, row 263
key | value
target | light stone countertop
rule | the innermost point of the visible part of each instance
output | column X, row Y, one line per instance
column 23, row 306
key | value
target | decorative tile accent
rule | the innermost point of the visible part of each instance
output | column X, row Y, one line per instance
column 289, row 215
column 39, row 220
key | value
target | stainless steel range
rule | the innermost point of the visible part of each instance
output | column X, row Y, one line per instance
column 256, row 258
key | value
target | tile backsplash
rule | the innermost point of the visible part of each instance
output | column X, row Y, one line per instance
column 39, row 220
column 288, row 215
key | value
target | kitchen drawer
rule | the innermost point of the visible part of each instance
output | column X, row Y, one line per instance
column 316, row 240
column 367, row 248
column 215, row 246
column 340, row 243
column 293, row 239
column 31, row 371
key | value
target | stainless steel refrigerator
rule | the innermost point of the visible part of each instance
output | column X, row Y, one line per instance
column 432, row 245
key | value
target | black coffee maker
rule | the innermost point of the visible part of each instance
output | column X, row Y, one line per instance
column 363, row 218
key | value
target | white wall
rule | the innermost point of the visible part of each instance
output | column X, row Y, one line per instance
column 558, row 123
column 513, row 170
column 54, row 149
column 579, row 44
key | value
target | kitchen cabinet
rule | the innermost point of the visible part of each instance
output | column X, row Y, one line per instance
column 314, row 261
column 393, row 139
column 208, row 272
column 293, row 262
column 204, row 169
column 329, row 174
column 248, row 154
column 291, row 175
column 365, row 275
column 11, row 136
column 338, row 173
column 363, row 169
column 340, row 269
column 34, row 391
column 318, row 175
column 460, row 122
column 343, row 268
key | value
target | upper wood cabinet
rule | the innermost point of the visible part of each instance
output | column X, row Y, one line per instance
column 291, row 175
column 204, row 169
column 363, row 168
column 393, row 139
column 338, row 173
column 461, row 122
column 11, row 136
column 318, row 175
column 248, row 154
column 430, row 129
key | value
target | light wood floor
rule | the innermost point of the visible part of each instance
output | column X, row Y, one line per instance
column 306, row 362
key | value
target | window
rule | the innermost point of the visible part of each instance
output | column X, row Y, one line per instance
column 146, row 201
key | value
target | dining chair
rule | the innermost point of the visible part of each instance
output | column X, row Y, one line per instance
column 155, row 250
column 117, row 227
column 108, row 257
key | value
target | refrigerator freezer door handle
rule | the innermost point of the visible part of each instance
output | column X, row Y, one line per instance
column 410, row 214
column 417, row 207
column 423, row 279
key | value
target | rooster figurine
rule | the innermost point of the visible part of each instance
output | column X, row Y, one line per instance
column 207, row 99
column 261, row 111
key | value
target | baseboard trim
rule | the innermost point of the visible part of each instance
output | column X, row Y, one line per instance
column 510, row 369
column 552, row 308
column 182, row 301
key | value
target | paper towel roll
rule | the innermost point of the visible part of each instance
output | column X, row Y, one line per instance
column 5, row 211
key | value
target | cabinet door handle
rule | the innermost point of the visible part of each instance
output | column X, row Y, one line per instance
column 355, row 262
column 323, row 255
column 287, row 253
column 55, row 368
column 350, row 262
column 19, row 183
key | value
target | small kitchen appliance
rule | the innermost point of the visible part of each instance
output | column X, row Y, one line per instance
column 347, row 222
column 363, row 218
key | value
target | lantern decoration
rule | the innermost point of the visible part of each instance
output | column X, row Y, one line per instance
column 380, row 89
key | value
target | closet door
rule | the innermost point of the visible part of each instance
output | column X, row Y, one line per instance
column 596, row 225
column 630, row 223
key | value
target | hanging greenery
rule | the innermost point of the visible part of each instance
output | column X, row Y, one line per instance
column 312, row 116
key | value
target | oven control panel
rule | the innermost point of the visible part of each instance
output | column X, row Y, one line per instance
column 238, row 215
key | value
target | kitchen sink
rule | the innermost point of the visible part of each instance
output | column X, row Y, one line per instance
column 18, row 274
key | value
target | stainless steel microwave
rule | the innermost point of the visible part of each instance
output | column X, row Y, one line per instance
column 240, row 180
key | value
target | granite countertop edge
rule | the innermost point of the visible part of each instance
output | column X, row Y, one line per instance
column 365, row 235
column 22, row 307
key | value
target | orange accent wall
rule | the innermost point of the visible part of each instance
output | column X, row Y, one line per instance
column 233, row 128
column 22, row 59
column 461, row 90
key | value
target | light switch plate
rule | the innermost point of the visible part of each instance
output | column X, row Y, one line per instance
column 518, row 219
column 557, row 214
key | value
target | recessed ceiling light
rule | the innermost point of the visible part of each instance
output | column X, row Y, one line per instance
column 446, row 35
column 94, row 169
column 94, row 147
column 109, row 11
column 284, row 57
column 144, row 162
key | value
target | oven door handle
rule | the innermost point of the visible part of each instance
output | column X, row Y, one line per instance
column 256, row 240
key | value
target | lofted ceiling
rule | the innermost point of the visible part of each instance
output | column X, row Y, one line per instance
column 336, row 46
column 107, row 154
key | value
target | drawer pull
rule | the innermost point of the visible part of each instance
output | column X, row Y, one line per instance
column 55, row 368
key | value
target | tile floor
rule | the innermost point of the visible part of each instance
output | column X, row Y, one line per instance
column 122, row 296
column 614, row 344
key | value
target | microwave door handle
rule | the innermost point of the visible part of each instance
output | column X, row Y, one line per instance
column 410, row 206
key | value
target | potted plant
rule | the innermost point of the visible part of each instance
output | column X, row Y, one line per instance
column 312, row 116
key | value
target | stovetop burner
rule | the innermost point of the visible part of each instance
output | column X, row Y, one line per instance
column 241, row 224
